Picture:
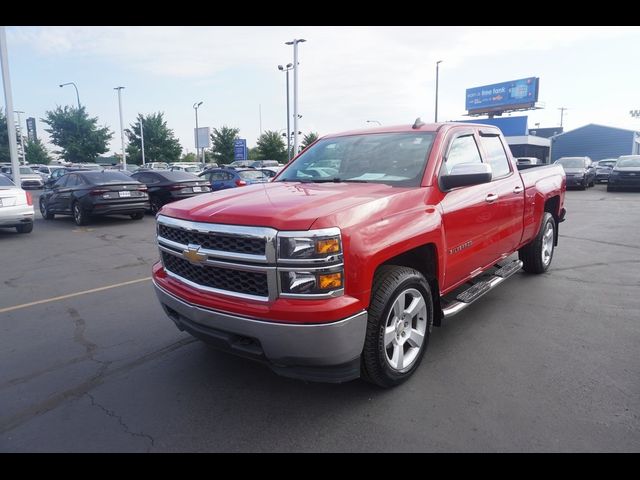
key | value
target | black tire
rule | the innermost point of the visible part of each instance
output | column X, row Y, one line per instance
column 532, row 253
column 156, row 204
column 46, row 214
column 25, row 228
column 79, row 215
column 389, row 284
column 593, row 183
column 137, row 216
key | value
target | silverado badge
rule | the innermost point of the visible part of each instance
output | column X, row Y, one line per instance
column 192, row 253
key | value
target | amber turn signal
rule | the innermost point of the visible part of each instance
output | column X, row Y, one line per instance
column 329, row 245
column 330, row 281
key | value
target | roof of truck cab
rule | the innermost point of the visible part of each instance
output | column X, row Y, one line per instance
column 427, row 127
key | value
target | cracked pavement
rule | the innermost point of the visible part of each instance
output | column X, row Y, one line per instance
column 543, row 363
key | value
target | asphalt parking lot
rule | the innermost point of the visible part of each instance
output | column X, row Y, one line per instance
column 543, row 363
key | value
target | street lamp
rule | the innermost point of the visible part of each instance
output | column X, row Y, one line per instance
column 195, row 107
column 24, row 154
column 295, row 43
column 74, row 86
column 374, row 121
column 286, row 70
column 124, row 154
column 437, row 75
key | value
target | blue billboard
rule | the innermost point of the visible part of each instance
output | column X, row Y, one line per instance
column 240, row 149
column 521, row 93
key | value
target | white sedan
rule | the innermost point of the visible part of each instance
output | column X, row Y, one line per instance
column 16, row 206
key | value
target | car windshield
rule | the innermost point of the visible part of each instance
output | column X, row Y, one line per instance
column 5, row 181
column 628, row 161
column 571, row 162
column 391, row 158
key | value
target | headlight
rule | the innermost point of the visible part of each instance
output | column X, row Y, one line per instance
column 310, row 245
column 310, row 263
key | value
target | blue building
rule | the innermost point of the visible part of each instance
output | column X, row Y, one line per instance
column 595, row 141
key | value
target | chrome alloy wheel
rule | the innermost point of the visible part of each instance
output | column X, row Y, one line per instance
column 405, row 330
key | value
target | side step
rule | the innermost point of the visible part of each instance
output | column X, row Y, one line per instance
column 477, row 290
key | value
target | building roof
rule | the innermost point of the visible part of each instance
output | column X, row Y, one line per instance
column 595, row 125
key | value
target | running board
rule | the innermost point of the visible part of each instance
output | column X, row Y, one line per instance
column 477, row 290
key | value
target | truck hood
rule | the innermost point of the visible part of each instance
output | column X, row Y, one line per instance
column 279, row 205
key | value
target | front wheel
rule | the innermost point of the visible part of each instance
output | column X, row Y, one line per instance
column 398, row 327
column 137, row 216
column 536, row 256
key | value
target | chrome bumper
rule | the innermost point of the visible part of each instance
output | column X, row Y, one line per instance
column 281, row 345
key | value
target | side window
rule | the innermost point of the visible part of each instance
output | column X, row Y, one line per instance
column 72, row 181
column 61, row 182
column 496, row 156
column 463, row 150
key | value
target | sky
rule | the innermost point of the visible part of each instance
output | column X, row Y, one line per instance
column 346, row 76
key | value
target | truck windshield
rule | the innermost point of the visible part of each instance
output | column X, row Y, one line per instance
column 396, row 159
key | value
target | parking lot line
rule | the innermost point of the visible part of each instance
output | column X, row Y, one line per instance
column 63, row 297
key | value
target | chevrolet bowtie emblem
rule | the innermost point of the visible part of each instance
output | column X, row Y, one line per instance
column 192, row 253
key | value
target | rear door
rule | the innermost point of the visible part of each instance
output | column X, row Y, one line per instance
column 508, row 190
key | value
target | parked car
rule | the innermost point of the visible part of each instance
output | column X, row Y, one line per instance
column 241, row 163
column 85, row 193
column 265, row 163
column 603, row 169
column 59, row 172
column 580, row 171
column 223, row 178
column 157, row 165
column 166, row 186
column 335, row 278
column 47, row 170
column 625, row 173
column 28, row 178
column 195, row 169
column 16, row 206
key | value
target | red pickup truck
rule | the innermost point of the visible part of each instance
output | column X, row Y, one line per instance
column 339, row 268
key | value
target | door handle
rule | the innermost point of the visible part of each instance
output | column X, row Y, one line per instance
column 492, row 197
column 517, row 189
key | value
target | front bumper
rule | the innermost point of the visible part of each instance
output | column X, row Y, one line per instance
column 576, row 181
column 328, row 352
column 625, row 181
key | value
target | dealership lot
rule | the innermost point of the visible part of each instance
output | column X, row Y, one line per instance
column 543, row 363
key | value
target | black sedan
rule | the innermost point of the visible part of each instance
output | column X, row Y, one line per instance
column 168, row 186
column 625, row 173
column 86, row 193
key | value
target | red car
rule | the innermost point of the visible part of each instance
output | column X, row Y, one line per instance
column 340, row 267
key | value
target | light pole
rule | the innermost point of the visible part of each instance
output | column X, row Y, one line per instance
column 19, row 132
column 8, row 101
column 142, row 138
column 77, row 94
column 437, row 75
column 286, row 70
column 195, row 107
column 374, row 121
column 295, row 43
column 124, row 154
column 562, row 109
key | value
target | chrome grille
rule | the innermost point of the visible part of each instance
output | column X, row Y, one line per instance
column 213, row 241
column 249, row 283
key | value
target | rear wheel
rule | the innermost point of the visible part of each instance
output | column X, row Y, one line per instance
column 536, row 256
column 156, row 205
column 79, row 215
column 25, row 228
column 46, row 214
column 137, row 216
column 398, row 327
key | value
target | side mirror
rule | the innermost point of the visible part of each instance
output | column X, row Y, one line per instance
column 465, row 174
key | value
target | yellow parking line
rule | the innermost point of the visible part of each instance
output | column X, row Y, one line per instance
column 63, row 297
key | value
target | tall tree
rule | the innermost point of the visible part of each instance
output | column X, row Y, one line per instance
column 308, row 139
column 36, row 152
column 4, row 139
column 270, row 146
column 79, row 137
column 160, row 143
column 222, row 144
